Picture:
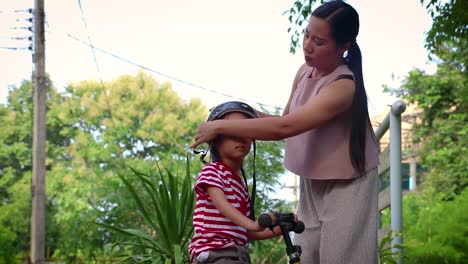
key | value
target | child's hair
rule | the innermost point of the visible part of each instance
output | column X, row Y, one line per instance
column 344, row 22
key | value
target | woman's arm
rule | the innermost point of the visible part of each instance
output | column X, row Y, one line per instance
column 263, row 114
column 224, row 207
column 331, row 101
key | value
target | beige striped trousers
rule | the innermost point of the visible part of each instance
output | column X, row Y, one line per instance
column 341, row 220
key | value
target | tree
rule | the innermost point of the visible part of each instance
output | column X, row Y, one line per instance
column 450, row 21
column 435, row 229
column 443, row 127
column 450, row 25
column 94, row 132
column 443, row 99
column 123, row 123
column 91, row 135
column 15, row 170
column 299, row 13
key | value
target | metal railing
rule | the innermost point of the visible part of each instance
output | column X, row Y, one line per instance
column 390, row 158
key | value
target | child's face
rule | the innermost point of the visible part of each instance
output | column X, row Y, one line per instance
column 233, row 148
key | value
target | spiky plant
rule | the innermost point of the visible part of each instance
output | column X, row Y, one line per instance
column 165, row 203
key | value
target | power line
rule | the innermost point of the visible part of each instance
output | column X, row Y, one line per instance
column 30, row 38
column 83, row 18
column 90, row 44
column 28, row 10
column 15, row 48
column 9, row 41
column 166, row 75
column 100, row 76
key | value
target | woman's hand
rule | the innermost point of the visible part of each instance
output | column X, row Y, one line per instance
column 205, row 133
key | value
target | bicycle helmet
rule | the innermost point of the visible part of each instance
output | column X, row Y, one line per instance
column 218, row 112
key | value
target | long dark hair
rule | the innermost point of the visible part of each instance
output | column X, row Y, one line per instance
column 344, row 22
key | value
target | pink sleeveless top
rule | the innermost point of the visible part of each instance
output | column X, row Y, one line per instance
column 323, row 153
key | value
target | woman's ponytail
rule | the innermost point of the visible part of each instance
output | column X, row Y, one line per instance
column 359, row 111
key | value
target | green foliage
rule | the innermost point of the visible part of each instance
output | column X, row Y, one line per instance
column 443, row 99
column 95, row 132
column 165, row 203
column 450, row 25
column 7, row 239
column 435, row 230
column 299, row 13
column 15, row 171
column 88, row 142
column 443, row 127
column 435, row 221
column 269, row 251
column 126, row 122
column 386, row 255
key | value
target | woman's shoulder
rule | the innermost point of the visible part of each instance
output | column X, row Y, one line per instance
column 303, row 68
column 343, row 70
column 301, row 72
column 339, row 73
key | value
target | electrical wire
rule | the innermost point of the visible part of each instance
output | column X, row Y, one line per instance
column 14, row 48
column 169, row 76
column 83, row 18
column 90, row 44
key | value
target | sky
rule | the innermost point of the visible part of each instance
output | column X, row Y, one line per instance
column 205, row 48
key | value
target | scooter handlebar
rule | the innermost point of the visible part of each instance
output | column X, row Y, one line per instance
column 270, row 220
column 264, row 220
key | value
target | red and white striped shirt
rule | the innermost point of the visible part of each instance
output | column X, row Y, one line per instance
column 212, row 229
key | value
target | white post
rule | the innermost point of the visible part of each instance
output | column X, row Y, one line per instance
column 395, row 174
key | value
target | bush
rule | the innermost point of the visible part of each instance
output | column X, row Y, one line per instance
column 435, row 231
column 7, row 239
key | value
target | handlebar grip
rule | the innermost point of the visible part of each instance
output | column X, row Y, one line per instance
column 299, row 227
column 264, row 220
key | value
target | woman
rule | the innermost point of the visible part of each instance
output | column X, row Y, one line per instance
column 329, row 141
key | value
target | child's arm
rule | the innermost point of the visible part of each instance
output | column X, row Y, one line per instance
column 224, row 207
column 265, row 234
column 268, row 233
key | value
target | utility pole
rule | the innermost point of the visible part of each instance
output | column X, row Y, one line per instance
column 39, row 138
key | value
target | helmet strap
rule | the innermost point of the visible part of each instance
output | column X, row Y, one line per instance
column 203, row 154
column 254, row 184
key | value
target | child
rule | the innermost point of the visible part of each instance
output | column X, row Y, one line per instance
column 223, row 206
